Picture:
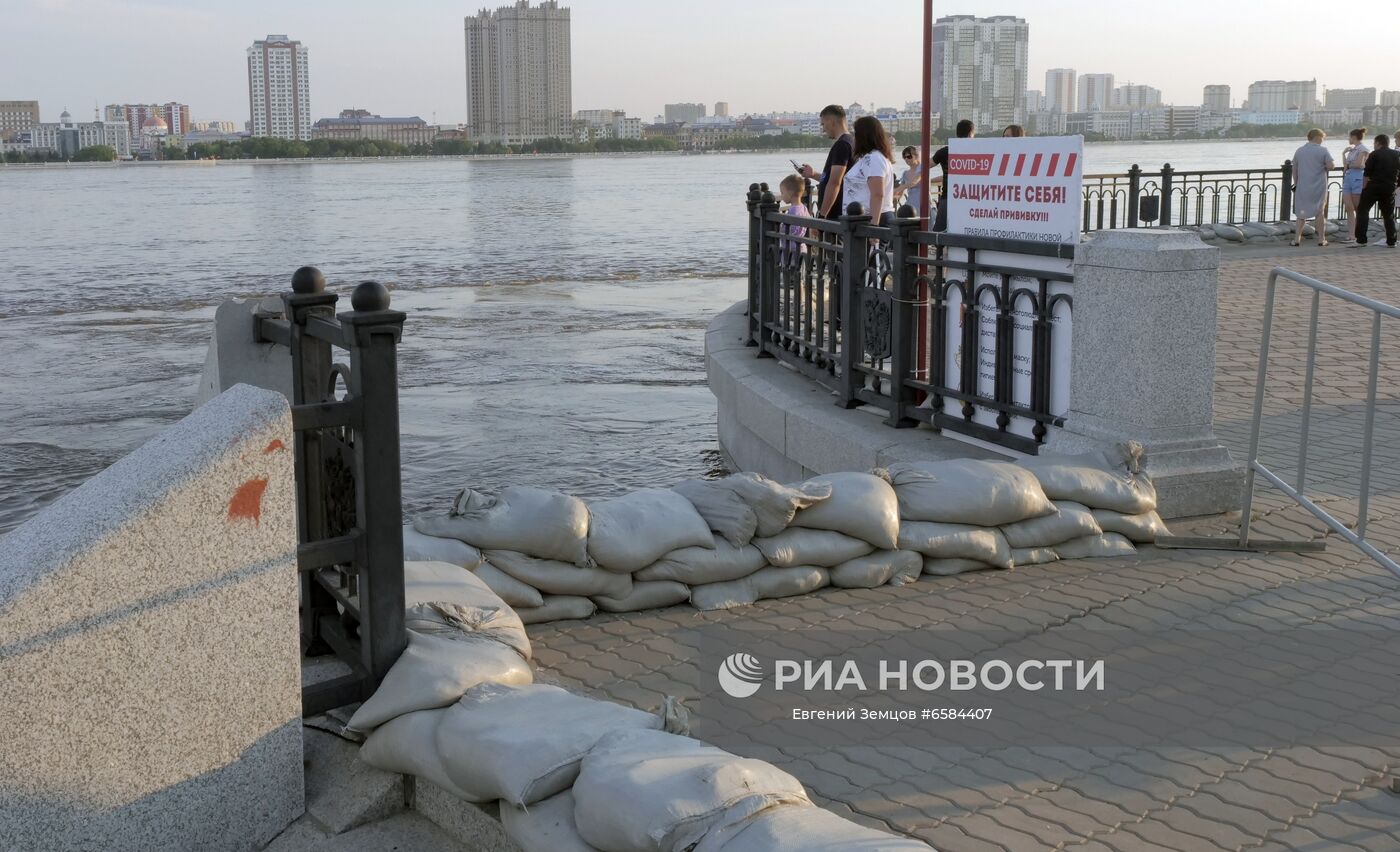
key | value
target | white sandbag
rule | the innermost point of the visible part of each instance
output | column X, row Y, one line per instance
column 1033, row 555
column 699, row 565
column 956, row 541
column 442, row 598
column 948, row 567
column 418, row 547
column 649, row 791
column 763, row 584
column 434, row 671
column 1100, row 480
column 521, row 744
column 728, row 516
column 408, row 745
column 798, row 828
column 546, row 826
column 875, row 569
column 825, row 548
column 1106, row 546
column 907, row 567
column 511, row 590
column 1143, row 528
column 1070, row 520
column 773, row 503
column 646, row 595
column 967, row 491
column 559, row 578
column 862, row 505
column 633, row 531
column 524, row 519
column 558, row 608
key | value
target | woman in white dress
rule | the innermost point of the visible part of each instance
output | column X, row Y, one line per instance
column 870, row 180
column 1311, row 163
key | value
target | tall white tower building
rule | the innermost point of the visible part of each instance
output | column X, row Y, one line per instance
column 980, row 64
column 519, row 76
column 279, row 89
column 1059, row 90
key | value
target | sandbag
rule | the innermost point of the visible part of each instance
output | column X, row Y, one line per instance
column 862, row 506
column 546, row 826
column 875, row 569
column 649, row 791
column 763, row 584
column 727, row 515
column 907, row 567
column 521, row 518
column 635, row 530
column 1070, row 520
column 967, row 491
column 1112, row 480
column 521, row 744
column 798, row 828
column 511, row 590
column 408, row 745
column 646, row 595
column 418, row 547
column 956, row 541
column 434, row 671
column 699, row 565
column 823, row 548
column 1143, row 528
column 1106, row 546
column 773, row 503
column 558, row 608
column 1033, row 555
column 559, row 578
column 442, row 598
column 948, row 567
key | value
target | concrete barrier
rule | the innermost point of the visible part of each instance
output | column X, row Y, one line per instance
column 149, row 654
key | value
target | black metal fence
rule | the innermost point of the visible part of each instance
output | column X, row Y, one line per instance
column 962, row 333
column 348, row 489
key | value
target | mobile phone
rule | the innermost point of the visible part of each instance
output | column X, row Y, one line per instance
column 795, row 165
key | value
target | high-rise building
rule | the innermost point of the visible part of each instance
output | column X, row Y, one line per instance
column 980, row 65
column 1216, row 99
column 17, row 117
column 1059, row 90
column 1095, row 92
column 279, row 88
column 519, row 73
column 176, row 117
column 721, row 109
column 1351, row 98
column 1277, row 96
column 1389, row 98
column 1035, row 101
column 1135, row 97
column 683, row 113
column 67, row 137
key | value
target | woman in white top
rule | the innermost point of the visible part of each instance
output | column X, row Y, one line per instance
column 870, row 179
column 1354, row 161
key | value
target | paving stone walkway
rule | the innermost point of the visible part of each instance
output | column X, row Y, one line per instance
column 1163, row 797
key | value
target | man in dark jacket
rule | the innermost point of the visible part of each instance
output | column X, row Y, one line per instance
column 1382, row 173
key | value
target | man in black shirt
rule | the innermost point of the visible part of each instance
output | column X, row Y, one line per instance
column 838, row 160
column 965, row 130
column 1382, row 173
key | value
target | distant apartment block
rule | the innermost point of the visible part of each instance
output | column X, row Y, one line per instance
column 175, row 117
column 606, row 124
column 17, row 117
column 357, row 124
column 721, row 109
column 1135, row 97
column 67, row 137
column 1035, row 100
column 1351, row 98
column 279, row 88
column 1059, row 90
column 216, row 126
column 519, row 73
column 1216, row 98
column 980, row 64
column 1275, row 96
column 683, row 113
column 1095, row 92
column 1389, row 98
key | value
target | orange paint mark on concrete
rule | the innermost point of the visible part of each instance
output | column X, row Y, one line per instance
column 247, row 501
column 274, row 446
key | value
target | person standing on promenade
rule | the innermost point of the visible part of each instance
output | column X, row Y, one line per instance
column 838, row 160
column 1311, row 163
column 1381, row 174
column 914, row 182
column 870, row 180
column 1014, row 131
column 1353, row 162
column 965, row 130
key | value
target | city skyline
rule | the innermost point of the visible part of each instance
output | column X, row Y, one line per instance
column 206, row 43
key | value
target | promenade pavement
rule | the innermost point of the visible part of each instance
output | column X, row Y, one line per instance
column 1162, row 797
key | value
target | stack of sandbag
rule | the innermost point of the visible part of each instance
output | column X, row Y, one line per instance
column 1108, row 494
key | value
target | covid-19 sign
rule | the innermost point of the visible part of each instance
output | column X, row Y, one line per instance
column 1021, row 188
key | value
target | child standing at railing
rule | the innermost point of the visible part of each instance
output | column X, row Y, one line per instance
column 790, row 190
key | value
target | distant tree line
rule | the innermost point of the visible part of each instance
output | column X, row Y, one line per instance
column 90, row 154
column 263, row 148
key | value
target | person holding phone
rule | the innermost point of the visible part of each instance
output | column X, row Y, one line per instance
column 838, row 161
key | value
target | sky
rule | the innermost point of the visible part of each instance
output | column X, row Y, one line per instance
column 406, row 57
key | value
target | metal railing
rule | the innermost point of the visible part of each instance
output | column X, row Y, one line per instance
column 348, row 489
column 921, row 325
column 1355, row 534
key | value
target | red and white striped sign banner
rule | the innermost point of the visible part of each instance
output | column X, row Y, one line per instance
column 1025, row 188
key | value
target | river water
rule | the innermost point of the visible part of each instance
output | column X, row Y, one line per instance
column 556, row 306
